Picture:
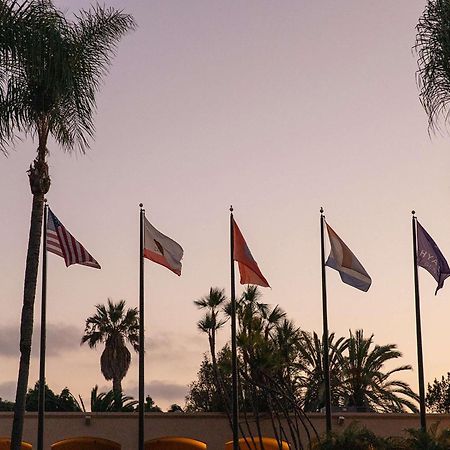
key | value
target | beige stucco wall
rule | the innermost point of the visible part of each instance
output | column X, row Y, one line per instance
column 210, row 428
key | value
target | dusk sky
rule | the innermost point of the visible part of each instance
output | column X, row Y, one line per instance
column 276, row 107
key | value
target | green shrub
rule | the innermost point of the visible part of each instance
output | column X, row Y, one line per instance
column 354, row 437
column 357, row 437
column 433, row 439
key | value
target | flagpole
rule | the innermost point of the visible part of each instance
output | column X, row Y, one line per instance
column 41, row 397
column 141, row 328
column 326, row 363
column 234, row 368
column 423, row 423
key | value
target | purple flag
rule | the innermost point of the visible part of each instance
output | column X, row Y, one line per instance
column 430, row 257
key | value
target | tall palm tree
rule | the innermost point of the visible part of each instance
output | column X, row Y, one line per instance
column 268, row 349
column 50, row 72
column 258, row 326
column 433, row 52
column 366, row 385
column 113, row 326
column 211, row 322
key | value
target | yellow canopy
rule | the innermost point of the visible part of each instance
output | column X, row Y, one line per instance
column 5, row 444
column 248, row 444
column 86, row 443
column 174, row 443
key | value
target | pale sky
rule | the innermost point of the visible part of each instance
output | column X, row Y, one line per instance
column 278, row 108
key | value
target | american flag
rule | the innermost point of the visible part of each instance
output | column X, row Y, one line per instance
column 62, row 243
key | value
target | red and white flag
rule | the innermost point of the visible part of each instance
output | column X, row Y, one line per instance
column 161, row 249
column 248, row 267
column 62, row 243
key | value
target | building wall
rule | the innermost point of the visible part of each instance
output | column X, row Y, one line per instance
column 211, row 428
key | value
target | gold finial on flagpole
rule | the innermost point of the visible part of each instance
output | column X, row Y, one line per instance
column 413, row 213
column 141, row 205
column 321, row 210
column 231, row 208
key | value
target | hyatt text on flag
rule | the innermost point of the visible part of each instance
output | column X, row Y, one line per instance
column 62, row 243
column 248, row 268
column 161, row 249
column 346, row 263
column 430, row 257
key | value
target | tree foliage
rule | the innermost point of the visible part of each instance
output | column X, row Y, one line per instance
column 438, row 395
column 358, row 437
column 354, row 437
column 311, row 373
column 267, row 347
column 281, row 371
column 51, row 69
column 65, row 401
column 433, row 51
column 150, row 405
column 174, row 407
column 50, row 72
column 111, row 401
column 366, row 384
column 432, row 439
column 6, row 405
column 113, row 326
column 203, row 395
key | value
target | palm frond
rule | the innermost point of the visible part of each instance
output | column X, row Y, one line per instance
column 51, row 69
column 433, row 58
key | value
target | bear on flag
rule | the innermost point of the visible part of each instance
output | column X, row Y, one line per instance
column 161, row 249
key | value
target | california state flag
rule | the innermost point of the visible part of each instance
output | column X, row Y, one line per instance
column 161, row 249
column 248, row 267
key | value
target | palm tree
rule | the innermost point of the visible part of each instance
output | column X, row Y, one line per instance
column 211, row 321
column 111, row 402
column 310, row 364
column 367, row 387
column 50, row 72
column 268, row 350
column 433, row 52
column 113, row 326
column 267, row 344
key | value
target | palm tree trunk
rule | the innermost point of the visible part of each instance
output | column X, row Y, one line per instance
column 117, row 387
column 39, row 184
column 117, row 390
column 26, row 327
column 220, row 385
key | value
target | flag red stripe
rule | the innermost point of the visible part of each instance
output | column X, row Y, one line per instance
column 70, row 244
column 159, row 259
column 53, row 245
column 62, row 243
column 84, row 253
column 75, row 248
